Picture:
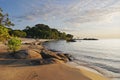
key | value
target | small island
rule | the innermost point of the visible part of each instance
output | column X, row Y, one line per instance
column 71, row 40
column 89, row 39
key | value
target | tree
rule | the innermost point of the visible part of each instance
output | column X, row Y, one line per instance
column 62, row 35
column 69, row 36
column 45, row 32
column 4, row 35
column 17, row 33
column 4, row 20
column 14, row 44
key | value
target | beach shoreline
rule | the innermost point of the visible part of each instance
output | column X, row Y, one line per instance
column 62, row 71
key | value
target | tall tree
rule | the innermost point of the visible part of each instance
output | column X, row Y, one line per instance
column 4, row 20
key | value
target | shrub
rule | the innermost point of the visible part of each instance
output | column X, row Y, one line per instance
column 14, row 44
column 4, row 35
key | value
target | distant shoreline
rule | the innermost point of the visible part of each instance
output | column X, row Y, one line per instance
column 88, row 39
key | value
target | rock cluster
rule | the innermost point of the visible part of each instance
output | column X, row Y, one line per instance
column 41, row 55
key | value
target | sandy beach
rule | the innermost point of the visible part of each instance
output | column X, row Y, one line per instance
column 47, row 72
column 18, row 69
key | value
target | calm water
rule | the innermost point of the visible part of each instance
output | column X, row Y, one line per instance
column 101, row 55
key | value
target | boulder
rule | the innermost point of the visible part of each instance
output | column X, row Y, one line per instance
column 34, row 53
column 64, row 57
column 28, row 54
column 22, row 54
column 49, row 54
column 45, row 61
column 70, row 57
column 46, row 54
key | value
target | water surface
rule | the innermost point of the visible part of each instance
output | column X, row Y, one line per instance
column 102, row 55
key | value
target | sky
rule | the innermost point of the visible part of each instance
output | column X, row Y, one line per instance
column 82, row 18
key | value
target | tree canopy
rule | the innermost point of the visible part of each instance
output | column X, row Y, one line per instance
column 4, row 35
column 4, row 21
column 14, row 44
column 17, row 33
column 45, row 32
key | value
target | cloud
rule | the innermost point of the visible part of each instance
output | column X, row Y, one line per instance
column 92, row 15
column 79, row 17
column 71, row 11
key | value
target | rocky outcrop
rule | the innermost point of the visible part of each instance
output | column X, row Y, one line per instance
column 41, row 54
column 38, row 55
column 59, row 56
column 49, row 54
column 45, row 61
column 63, row 57
column 34, row 53
column 22, row 54
column 27, row 54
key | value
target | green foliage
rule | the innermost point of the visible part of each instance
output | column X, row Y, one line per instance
column 14, row 44
column 62, row 35
column 4, row 21
column 4, row 35
column 69, row 36
column 45, row 32
column 17, row 33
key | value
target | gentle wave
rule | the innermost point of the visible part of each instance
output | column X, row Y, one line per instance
column 102, row 55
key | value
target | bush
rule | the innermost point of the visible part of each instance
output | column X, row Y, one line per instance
column 14, row 44
column 4, row 35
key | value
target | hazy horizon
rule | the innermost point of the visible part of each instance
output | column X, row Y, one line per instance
column 82, row 18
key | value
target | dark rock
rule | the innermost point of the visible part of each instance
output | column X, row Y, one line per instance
column 70, row 57
column 20, row 54
column 49, row 54
column 43, row 61
column 64, row 57
column 90, row 39
column 71, row 40
column 45, row 55
column 27, row 54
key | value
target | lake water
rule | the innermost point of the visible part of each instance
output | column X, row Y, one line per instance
column 101, row 55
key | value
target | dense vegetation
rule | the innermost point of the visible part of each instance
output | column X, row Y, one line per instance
column 45, row 32
column 40, row 31
column 17, row 33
